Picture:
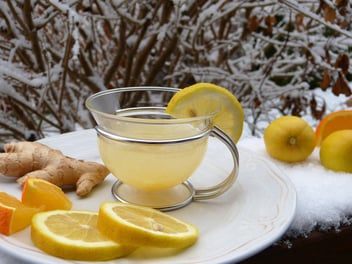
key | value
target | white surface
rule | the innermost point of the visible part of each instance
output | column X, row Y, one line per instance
column 253, row 214
column 323, row 196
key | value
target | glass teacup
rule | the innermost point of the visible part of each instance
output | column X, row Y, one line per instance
column 151, row 154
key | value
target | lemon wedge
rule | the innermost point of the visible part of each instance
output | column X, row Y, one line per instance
column 143, row 226
column 205, row 98
column 74, row 235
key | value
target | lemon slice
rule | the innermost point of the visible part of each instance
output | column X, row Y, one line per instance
column 74, row 235
column 204, row 98
column 143, row 226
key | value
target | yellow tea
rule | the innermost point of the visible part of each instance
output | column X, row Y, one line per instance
column 154, row 165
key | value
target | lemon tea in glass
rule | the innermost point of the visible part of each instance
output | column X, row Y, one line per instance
column 152, row 154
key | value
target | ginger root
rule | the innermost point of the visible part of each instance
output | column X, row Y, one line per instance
column 33, row 159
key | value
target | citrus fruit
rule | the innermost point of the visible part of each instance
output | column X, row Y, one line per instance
column 205, row 98
column 14, row 216
column 334, row 121
column 41, row 193
column 336, row 151
column 143, row 226
column 289, row 139
column 74, row 235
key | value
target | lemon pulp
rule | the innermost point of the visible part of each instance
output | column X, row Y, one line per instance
column 205, row 98
column 74, row 235
column 143, row 226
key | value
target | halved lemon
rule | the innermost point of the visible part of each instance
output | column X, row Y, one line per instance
column 205, row 98
column 74, row 235
column 143, row 226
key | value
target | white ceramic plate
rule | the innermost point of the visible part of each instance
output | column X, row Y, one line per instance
column 249, row 217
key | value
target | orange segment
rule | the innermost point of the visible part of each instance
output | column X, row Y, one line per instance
column 14, row 216
column 41, row 193
column 332, row 122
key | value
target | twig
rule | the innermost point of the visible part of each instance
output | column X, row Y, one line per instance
column 32, row 34
column 294, row 5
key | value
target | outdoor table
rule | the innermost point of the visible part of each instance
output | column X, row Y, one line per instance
column 318, row 247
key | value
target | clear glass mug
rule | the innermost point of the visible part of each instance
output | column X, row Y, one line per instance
column 150, row 153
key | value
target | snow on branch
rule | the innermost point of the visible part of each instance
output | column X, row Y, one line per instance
column 270, row 54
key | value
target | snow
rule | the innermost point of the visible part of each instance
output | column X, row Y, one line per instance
column 213, row 44
column 323, row 196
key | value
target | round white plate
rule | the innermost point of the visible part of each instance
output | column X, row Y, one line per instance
column 249, row 217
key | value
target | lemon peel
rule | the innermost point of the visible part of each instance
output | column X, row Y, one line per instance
column 74, row 235
column 143, row 226
column 336, row 151
column 205, row 98
column 289, row 139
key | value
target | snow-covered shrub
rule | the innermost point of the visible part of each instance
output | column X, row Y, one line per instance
column 270, row 54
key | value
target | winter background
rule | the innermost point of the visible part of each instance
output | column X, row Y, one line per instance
column 277, row 57
column 287, row 57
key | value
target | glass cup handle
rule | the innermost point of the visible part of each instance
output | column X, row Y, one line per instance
column 214, row 191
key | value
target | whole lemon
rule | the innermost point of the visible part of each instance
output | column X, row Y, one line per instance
column 336, row 151
column 289, row 139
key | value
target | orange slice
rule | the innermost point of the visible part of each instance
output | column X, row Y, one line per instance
column 41, row 193
column 332, row 122
column 14, row 216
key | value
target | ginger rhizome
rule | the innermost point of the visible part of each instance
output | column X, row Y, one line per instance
column 33, row 159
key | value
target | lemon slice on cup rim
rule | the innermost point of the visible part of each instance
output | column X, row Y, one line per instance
column 74, row 235
column 204, row 98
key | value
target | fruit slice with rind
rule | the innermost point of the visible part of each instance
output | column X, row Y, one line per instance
column 143, row 226
column 41, row 193
column 74, row 235
column 14, row 216
column 205, row 98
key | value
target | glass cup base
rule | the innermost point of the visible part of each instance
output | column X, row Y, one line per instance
column 165, row 200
